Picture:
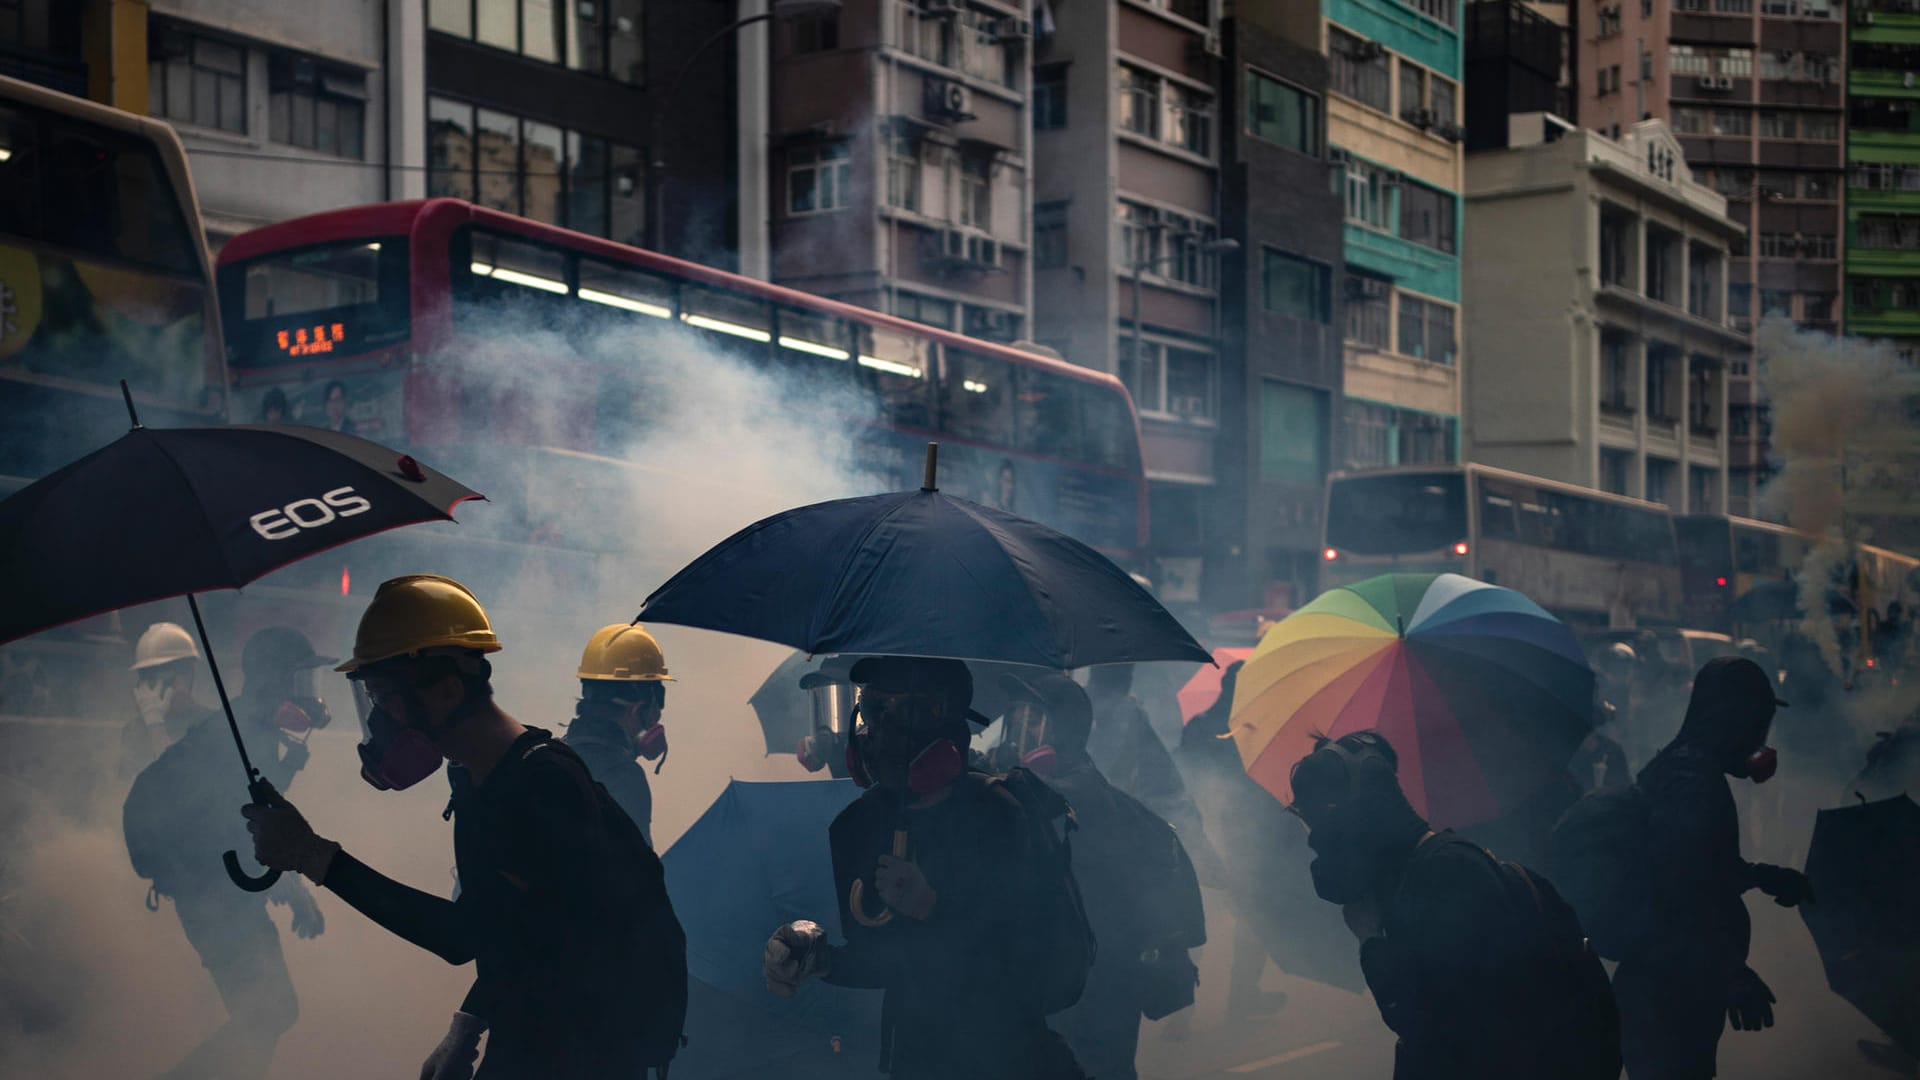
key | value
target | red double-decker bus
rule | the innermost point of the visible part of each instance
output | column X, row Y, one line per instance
column 440, row 324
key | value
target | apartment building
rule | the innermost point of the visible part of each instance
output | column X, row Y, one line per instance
column 1882, row 237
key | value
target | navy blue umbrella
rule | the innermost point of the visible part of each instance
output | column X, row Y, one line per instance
column 758, row 858
column 920, row 573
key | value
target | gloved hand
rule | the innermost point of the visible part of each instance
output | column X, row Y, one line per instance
column 153, row 700
column 1749, row 1002
column 454, row 1058
column 1787, row 886
column 795, row 953
column 282, row 840
column 904, row 888
column 308, row 922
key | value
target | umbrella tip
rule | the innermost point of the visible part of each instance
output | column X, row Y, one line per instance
column 126, row 394
column 1400, row 624
column 933, row 463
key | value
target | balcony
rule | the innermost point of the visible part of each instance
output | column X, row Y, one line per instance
column 1708, row 28
column 1884, row 84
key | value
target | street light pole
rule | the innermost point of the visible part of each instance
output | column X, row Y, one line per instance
column 779, row 9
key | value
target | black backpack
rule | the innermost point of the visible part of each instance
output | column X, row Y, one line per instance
column 1060, row 937
column 1599, row 858
column 1164, row 913
column 1573, row 1010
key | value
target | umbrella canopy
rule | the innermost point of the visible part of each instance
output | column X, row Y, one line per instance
column 758, row 858
column 1483, row 693
column 1203, row 689
column 159, row 513
column 920, row 573
column 1865, row 916
column 786, row 713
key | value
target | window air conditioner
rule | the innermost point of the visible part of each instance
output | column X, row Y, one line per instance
column 953, row 243
column 983, row 251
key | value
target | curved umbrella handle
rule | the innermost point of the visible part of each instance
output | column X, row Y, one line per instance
column 262, row 883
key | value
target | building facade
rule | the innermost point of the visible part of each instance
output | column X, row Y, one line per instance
column 1280, row 357
column 1126, row 209
column 1754, row 89
column 1882, row 239
column 1596, row 299
column 901, row 164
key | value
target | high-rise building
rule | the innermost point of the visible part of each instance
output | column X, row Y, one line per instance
column 1883, row 172
column 1394, row 124
column 1753, row 89
column 901, row 162
column 1596, row 304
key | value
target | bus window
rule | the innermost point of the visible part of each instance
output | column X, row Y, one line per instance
column 1404, row 513
column 503, row 266
column 19, row 174
column 625, row 289
column 1046, row 416
column 738, row 325
column 896, row 366
column 811, row 335
column 92, row 190
column 1497, row 509
column 1542, row 519
column 1107, row 430
column 976, row 397
column 333, row 299
column 1648, row 537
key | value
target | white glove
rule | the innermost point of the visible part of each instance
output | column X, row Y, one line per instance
column 153, row 700
column 454, row 1058
column 795, row 953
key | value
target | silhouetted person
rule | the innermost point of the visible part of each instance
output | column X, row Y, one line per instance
column 1599, row 763
column 1142, row 897
column 335, row 408
column 955, row 930
column 1132, row 758
column 1477, row 965
column 165, row 663
column 273, row 406
column 1678, row 991
column 178, row 818
column 623, row 690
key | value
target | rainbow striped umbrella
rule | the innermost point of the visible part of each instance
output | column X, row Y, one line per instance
column 1484, row 695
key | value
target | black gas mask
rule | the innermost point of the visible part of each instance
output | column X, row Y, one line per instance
column 1348, row 794
column 898, row 744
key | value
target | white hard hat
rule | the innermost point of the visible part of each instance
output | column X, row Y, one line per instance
column 163, row 643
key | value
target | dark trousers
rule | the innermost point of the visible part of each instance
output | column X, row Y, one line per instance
column 240, row 947
column 1103, row 1029
column 1671, row 1017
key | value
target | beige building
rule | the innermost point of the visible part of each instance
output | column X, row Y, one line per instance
column 1595, row 280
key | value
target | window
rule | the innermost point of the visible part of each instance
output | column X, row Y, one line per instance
column 1050, row 235
column 1689, row 60
column 1776, row 245
column 1413, row 326
column 1616, row 372
column 1817, row 186
column 1776, row 302
column 1737, row 63
column 1817, row 306
column 903, row 174
column 1897, row 232
column 1776, row 125
column 1776, row 64
column 1440, row 11
column 316, row 106
column 1824, row 126
column 1190, row 384
column 925, row 34
column 923, row 309
column 983, row 52
column 566, row 178
column 1688, row 120
column 1440, row 95
column 1189, row 123
column 818, row 178
column 1703, row 281
column 1139, row 233
column 1660, row 365
column 1139, row 102
column 1616, row 246
column 1358, row 69
column 1701, row 489
column 1185, row 261
column 1140, row 370
column 1294, row 287
column 1614, row 465
column 1369, row 192
column 1732, row 122
column 1740, row 421
column 1663, row 249
column 601, row 37
column 1368, row 317
column 1740, row 300
column 1426, row 329
column 1292, row 434
column 1733, row 7
column 1283, row 114
column 1050, row 97
column 1413, row 91
column 195, row 79
column 976, row 192
column 1427, row 216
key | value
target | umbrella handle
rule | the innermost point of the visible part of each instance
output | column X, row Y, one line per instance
column 263, row 794
column 857, row 895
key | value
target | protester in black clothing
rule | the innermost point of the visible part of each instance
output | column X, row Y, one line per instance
column 1476, row 965
column 1141, row 895
column 1679, row 992
column 165, row 663
column 949, row 929
column 580, row 963
column 178, row 818
column 1125, row 749
column 623, row 677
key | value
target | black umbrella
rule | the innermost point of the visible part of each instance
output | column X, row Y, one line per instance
column 159, row 514
column 919, row 573
column 1865, row 916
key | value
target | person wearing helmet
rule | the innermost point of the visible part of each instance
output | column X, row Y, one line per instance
column 623, row 677
column 943, row 891
column 164, row 664
column 178, row 818
column 580, row 962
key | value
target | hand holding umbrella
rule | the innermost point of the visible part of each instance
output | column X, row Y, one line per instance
column 164, row 513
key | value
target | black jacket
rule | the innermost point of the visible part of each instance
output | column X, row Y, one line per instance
column 562, row 908
column 961, row 1000
column 612, row 759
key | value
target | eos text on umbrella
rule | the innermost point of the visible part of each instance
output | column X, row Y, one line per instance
column 288, row 520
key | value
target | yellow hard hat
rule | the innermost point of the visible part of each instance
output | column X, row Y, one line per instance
column 623, row 653
column 417, row 612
